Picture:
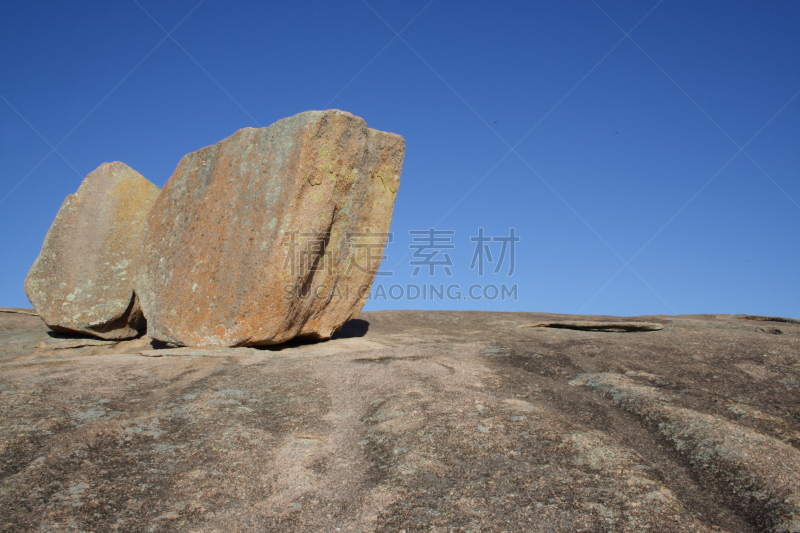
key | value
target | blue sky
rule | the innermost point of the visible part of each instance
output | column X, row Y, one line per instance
column 657, row 172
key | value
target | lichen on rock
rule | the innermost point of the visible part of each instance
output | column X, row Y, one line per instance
column 82, row 281
column 270, row 234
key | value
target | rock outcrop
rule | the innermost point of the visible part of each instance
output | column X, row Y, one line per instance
column 271, row 233
column 408, row 420
column 82, row 281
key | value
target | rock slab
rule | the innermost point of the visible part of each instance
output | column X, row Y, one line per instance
column 415, row 420
column 82, row 281
column 270, row 234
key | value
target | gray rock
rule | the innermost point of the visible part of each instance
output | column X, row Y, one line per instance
column 233, row 440
column 82, row 281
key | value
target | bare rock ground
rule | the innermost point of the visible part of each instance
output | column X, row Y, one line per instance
column 409, row 421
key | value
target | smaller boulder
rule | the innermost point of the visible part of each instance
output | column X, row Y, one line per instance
column 82, row 281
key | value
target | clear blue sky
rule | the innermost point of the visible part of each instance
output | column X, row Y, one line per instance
column 654, row 173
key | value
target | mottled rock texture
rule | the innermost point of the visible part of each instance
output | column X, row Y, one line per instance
column 408, row 421
column 262, row 237
column 82, row 281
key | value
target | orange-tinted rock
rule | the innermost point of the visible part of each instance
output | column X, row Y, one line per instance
column 230, row 257
column 82, row 281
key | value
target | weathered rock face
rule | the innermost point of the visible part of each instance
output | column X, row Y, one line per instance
column 82, row 281
column 271, row 233
column 409, row 420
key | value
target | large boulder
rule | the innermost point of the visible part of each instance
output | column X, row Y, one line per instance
column 271, row 233
column 82, row 281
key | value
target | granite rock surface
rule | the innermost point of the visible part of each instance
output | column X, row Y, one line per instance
column 82, row 281
column 408, row 420
column 270, row 234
